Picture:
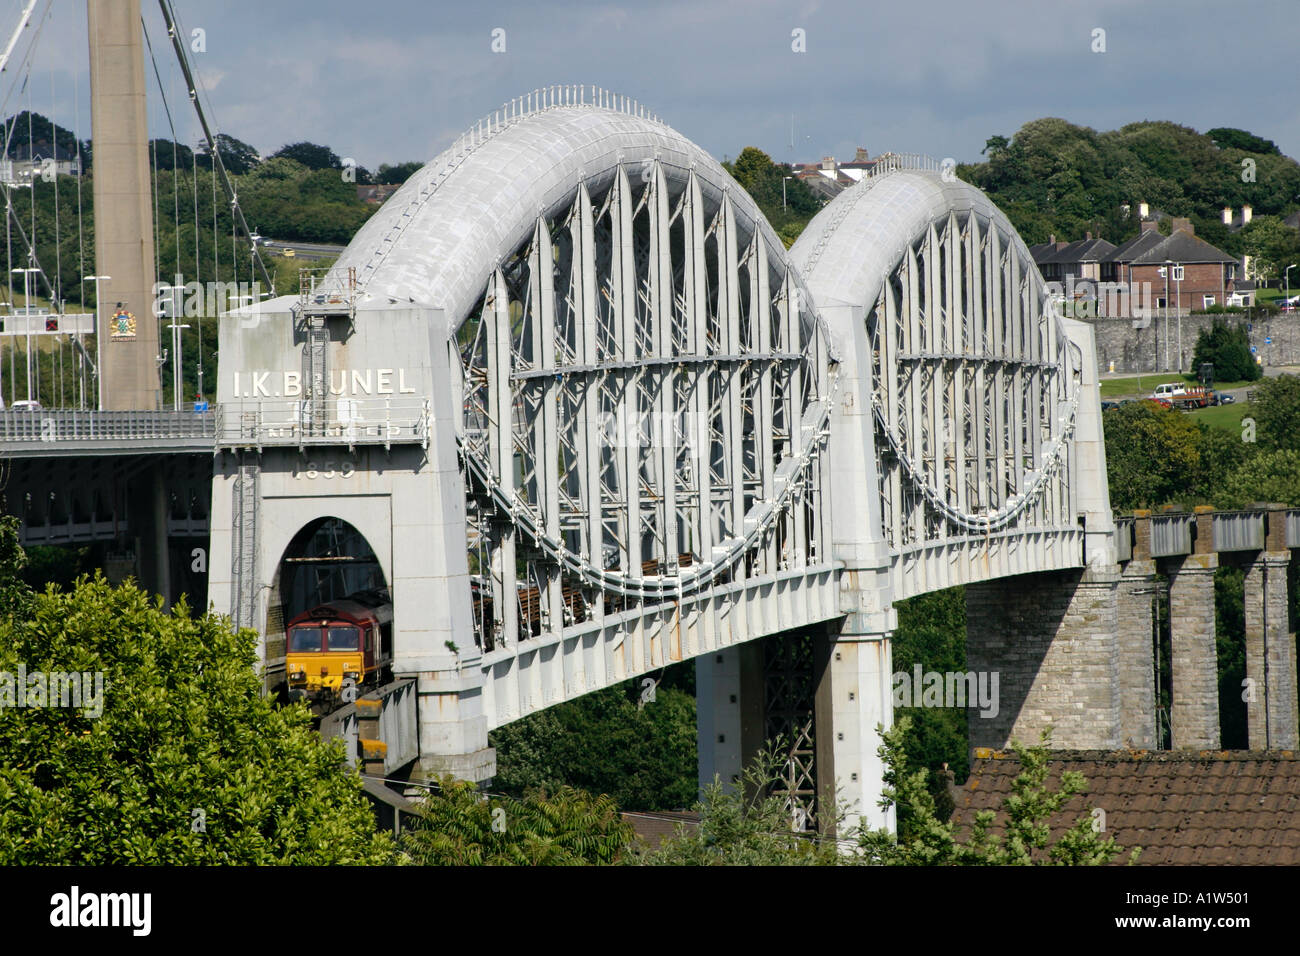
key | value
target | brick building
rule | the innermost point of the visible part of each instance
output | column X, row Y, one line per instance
column 1181, row 269
column 1142, row 276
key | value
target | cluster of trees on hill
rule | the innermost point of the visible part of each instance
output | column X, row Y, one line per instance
column 302, row 192
column 1054, row 177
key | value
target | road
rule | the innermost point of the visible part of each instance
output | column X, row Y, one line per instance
column 309, row 251
column 1270, row 371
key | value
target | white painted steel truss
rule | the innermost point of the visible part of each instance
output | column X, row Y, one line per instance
column 975, row 390
column 646, row 399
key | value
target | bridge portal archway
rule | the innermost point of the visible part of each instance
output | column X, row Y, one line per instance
column 326, row 560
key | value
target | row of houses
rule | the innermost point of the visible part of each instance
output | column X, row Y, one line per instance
column 1146, row 274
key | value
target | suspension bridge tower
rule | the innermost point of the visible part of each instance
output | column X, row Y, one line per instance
column 126, row 326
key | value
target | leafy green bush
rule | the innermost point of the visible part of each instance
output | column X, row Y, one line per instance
column 187, row 762
column 1227, row 347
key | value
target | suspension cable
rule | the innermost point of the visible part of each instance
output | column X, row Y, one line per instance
column 237, row 213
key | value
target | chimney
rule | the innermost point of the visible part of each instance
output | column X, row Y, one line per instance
column 1143, row 210
column 828, row 162
column 1087, row 236
column 1184, row 224
column 1150, row 225
column 1051, row 240
column 1227, row 215
column 1246, row 213
column 861, row 155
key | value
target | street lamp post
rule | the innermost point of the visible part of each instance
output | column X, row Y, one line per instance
column 173, row 312
column 1286, row 277
column 1178, row 310
column 1167, row 264
column 27, row 319
column 784, row 180
column 99, row 339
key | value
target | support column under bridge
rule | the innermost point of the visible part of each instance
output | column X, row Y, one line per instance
column 814, row 698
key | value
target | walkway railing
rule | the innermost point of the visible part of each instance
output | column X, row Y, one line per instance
column 240, row 424
column 67, row 425
column 350, row 421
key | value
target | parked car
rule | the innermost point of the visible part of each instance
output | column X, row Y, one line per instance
column 1168, row 390
column 26, row 405
column 1108, row 404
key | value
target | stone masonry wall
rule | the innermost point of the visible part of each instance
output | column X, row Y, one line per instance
column 1137, row 660
column 1194, row 712
column 1052, row 639
column 1143, row 350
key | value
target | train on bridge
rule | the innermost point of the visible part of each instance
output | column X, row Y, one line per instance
column 336, row 649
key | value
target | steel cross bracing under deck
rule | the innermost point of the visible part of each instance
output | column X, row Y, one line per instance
column 643, row 411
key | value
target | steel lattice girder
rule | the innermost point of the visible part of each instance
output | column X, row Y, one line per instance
column 642, row 405
column 924, row 372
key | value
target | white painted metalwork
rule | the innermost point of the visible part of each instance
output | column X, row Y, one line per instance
column 974, row 382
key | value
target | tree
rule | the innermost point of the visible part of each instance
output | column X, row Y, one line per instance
column 1027, row 818
column 745, row 825
column 393, row 175
column 995, row 145
column 174, row 756
column 311, row 155
column 1230, row 649
column 1227, row 348
column 641, row 752
column 1272, row 476
column 1277, row 412
column 931, row 633
column 1271, row 244
column 458, row 826
column 763, row 180
column 1225, row 137
column 1150, row 454
column 236, row 156
column 167, row 154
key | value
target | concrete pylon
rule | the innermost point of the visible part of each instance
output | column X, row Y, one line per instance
column 127, row 329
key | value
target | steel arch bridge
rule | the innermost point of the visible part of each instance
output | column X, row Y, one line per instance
column 645, row 432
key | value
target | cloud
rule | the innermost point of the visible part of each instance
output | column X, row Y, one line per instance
column 385, row 82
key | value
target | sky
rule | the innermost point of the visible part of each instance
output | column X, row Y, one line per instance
column 397, row 80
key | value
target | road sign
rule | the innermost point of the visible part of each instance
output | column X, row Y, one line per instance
column 1268, row 340
column 1252, row 350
